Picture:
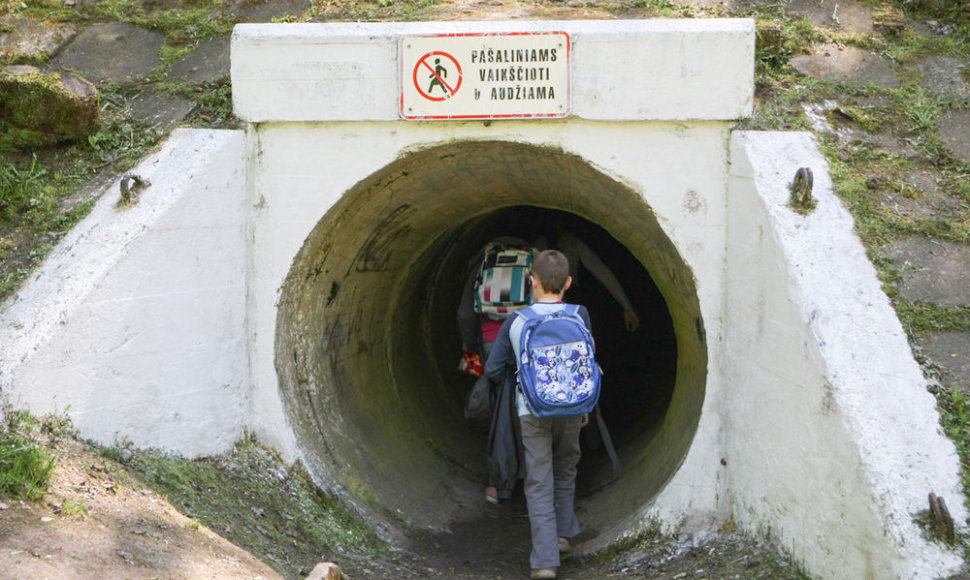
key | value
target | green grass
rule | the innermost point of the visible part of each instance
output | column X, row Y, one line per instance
column 921, row 318
column 25, row 467
column 26, row 464
column 24, row 193
column 74, row 509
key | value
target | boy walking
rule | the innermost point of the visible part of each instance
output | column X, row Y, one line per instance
column 552, row 443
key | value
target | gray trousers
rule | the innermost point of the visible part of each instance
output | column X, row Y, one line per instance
column 551, row 454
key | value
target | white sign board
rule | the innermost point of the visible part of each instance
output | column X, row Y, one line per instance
column 485, row 76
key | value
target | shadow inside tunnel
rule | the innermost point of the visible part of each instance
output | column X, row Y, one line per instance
column 639, row 367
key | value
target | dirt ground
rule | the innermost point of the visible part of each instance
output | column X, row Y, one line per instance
column 123, row 530
column 99, row 520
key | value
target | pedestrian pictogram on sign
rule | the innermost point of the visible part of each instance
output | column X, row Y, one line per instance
column 514, row 75
column 440, row 73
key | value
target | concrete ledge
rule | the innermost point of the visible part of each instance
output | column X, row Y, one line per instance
column 833, row 441
column 621, row 70
column 136, row 321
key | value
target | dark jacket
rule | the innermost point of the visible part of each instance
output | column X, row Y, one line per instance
column 504, row 451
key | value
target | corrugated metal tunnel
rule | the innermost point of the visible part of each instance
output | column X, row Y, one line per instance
column 367, row 342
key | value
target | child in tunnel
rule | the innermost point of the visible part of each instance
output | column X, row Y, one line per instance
column 479, row 331
column 550, row 441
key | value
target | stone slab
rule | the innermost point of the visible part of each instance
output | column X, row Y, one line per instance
column 921, row 199
column 95, row 53
column 830, row 62
column 954, row 131
column 847, row 15
column 208, row 62
column 26, row 38
column 951, row 352
column 933, row 271
column 942, row 76
column 161, row 110
column 265, row 10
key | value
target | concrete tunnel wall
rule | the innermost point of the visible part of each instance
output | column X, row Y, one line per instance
column 366, row 338
column 364, row 343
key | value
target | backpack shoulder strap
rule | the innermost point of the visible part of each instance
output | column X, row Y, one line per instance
column 607, row 441
column 528, row 313
column 571, row 310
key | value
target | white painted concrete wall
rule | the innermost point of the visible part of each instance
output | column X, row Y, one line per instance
column 136, row 321
column 667, row 70
column 832, row 441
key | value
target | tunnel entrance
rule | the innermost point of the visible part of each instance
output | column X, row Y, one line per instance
column 368, row 344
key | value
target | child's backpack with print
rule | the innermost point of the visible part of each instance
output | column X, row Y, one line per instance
column 503, row 284
column 558, row 372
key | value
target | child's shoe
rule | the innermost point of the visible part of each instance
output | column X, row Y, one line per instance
column 545, row 573
column 564, row 547
column 491, row 494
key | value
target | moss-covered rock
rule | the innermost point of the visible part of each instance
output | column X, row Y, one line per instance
column 38, row 109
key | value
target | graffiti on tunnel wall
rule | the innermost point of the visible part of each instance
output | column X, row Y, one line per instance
column 376, row 250
column 330, row 341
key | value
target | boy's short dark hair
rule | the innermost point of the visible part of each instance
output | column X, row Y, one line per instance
column 551, row 267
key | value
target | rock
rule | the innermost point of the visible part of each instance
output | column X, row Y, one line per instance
column 326, row 571
column 847, row 15
column 932, row 270
column 265, row 10
column 942, row 77
column 890, row 22
column 208, row 62
column 920, row 197
column 954, row 131
column 94, row 53
column 160, row 110
column 39, row 109
column 831, row 62
column 23, row 38
column 769, row 40
column 950, row 351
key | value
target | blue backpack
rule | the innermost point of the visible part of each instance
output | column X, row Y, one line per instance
column 558, row 372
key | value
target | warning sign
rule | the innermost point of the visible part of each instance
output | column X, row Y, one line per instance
column 438, row 76
column 485, row 76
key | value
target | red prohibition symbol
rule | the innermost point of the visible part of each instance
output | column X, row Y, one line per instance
column 437, row 76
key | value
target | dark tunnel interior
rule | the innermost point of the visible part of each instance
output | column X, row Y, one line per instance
column 639, row 366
